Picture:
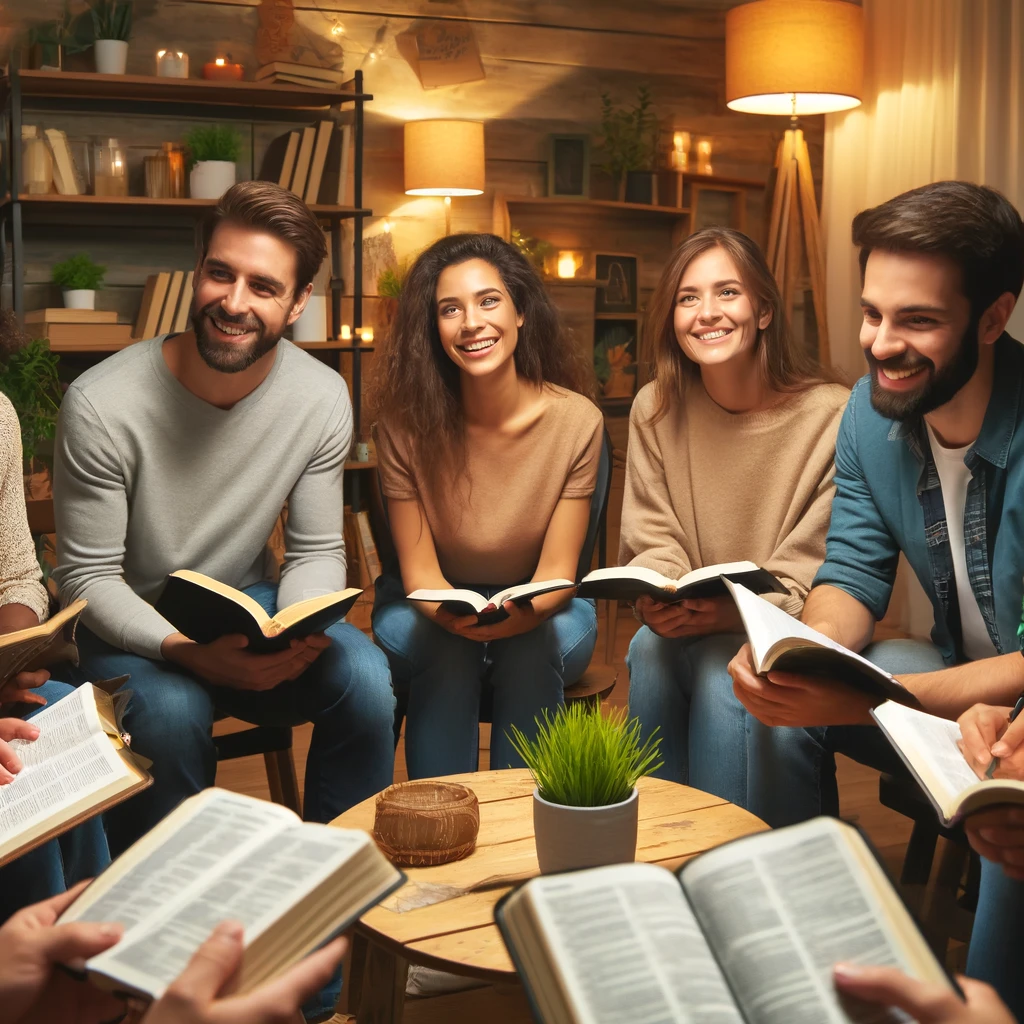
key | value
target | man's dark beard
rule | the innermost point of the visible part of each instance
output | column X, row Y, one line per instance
column 225, row 356
column 941, row 387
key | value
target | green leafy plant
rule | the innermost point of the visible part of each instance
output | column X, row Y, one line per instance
column 534, row 249
column 213, row 142
column 583, row 758
column 78, row 272
column 391, row 279
column 28, row 377
column 629, row 135
column 67, row 32
column 111, row 19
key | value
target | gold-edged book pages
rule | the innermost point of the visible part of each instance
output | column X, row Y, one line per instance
column 41, row 646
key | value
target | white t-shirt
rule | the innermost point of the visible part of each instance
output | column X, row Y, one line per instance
column 954, row 477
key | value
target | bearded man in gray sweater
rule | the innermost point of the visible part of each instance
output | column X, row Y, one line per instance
column 180, row 453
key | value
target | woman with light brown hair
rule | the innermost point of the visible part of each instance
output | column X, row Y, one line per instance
column 730, row 457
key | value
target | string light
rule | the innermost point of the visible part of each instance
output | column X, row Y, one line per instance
column 337, row 29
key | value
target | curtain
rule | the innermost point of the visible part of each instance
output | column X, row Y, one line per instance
column 943, row 84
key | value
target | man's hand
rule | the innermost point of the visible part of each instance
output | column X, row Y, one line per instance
column 998, row 835
column 201, row 994
column 926, row 1002
column 32, row 991
column 20, row 689
column 13, row 729
column 988, row 733
column 692, row 617
column 783, row 698
column 226, row 662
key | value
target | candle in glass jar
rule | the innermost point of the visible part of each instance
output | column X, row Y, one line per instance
column 704, row 156
column 171, row 64
column 681, row 151
column 222, row 69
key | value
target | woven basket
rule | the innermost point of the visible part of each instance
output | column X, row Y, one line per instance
column 423, row 822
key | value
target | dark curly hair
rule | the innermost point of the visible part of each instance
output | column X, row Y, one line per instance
column 415, row 390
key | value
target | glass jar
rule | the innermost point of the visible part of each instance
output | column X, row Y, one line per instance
column 110, row 171
column 175, row 155
column 36, row 162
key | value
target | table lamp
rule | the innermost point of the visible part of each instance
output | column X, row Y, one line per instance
column 444, row 158
column 793, row 57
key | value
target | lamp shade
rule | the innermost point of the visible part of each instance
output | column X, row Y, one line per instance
column 444, row 158
column 778, row 50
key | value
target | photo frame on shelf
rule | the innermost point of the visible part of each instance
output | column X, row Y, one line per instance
column 616, row 275
column 616, row 347
column 569, row 166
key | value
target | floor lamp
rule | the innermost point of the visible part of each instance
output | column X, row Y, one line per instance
column 795, row 57
column 444, row 158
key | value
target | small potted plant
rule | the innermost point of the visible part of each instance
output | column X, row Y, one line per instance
column 213, row 151
column 78, row 278
column 111, row 27
column 630, row 146
column 586, row 765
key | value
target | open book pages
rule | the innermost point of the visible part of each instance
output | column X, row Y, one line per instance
column 779, row 641
column 40, row 646
column 628, row 582
column 78, row 766
column 222, row 855
column 468, row 602
column 749, row 932
column 929, row 748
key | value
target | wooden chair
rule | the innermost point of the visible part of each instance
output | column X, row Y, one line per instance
column 274, row 742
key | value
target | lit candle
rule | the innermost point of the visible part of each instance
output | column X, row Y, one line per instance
column 566, row 264
column 171, row 64
column 222, row 69
column 346, row 332
column 704, row 156
column 680, row 151
column 367, row 335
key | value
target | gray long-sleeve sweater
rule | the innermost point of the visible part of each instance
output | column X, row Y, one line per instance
column 149, row 478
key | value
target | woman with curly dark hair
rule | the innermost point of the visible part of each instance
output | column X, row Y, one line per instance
column 488, row 447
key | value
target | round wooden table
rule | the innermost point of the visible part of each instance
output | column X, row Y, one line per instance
column 458, row 934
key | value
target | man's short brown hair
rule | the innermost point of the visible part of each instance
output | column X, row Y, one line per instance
column 975, row 226
column 264, row 206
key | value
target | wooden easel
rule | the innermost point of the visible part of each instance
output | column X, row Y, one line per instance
column 795, row 218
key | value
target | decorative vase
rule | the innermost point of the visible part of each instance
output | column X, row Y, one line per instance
column 569, row 838
column 111, row 56
column 312, row 323
column 642, row 187
column 79, row 298
column 210, row 179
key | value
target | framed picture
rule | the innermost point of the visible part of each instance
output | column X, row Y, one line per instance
column 569, row 166
column 616, row 283
column 615, row 355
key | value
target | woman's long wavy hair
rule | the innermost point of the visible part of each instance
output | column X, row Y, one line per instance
column 416, row 388
column 785, row 365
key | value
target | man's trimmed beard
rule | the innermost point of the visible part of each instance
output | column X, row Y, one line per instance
column 226, row 356
column 941, row 387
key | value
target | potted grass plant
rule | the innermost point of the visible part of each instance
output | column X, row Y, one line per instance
column 78, row 278
column 586, row 765
column 111, row 28
column 213, row 151
column 629, row 145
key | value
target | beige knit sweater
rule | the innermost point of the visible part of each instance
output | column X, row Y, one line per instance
column 20, row 577
column 705, row 486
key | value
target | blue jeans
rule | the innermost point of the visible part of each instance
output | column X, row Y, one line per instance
column 55, row 866
column 346, row 694
column 445, row 675
column 681, row 687
column 792, row 777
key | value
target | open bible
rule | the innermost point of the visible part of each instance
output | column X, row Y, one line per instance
column 219, row 856
column 782, row 643
column 628, row 582
column 469, row 602
column 40, row 646
column 205, row 610
column 747, row 933
column 78, row 766
column 930, row 748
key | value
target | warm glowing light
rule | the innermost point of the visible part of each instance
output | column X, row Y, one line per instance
column 387, row 226
column 566, row 264
column 346, row 332
column 160, row 53
column 367, row 335
column 704, row 156
column 338, row 29
column 219, row 62
column 681, row 151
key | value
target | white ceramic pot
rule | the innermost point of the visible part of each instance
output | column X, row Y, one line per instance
column 210, row 179
column 111, row 56
column 79, row 298
column 569, row 838
column 312, row 325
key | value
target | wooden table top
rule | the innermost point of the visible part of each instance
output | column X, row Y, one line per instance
column 459, row 934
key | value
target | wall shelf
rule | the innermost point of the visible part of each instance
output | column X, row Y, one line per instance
column 309, row 346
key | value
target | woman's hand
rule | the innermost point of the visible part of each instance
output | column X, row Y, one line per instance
column 692, row 617
column 20, row 689
column 13, row 729
column 521, row 619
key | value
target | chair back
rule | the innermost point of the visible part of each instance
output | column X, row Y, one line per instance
column 597, row 526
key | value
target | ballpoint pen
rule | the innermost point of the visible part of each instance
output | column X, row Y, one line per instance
column 1017, row 708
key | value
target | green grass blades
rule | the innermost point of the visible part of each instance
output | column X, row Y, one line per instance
column 584, row 758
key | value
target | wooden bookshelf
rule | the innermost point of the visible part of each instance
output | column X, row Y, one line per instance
column 586, row 205
column 113, row 203
column 309, row 346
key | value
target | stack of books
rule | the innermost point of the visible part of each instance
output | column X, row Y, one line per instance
column 166, row 304
column 313, row 163
column 78, row 328
column 299, row 74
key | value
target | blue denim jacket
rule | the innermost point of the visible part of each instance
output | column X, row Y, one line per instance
column 888, row 500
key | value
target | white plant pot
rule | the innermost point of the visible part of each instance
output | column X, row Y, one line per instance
column 79, row 298
column 569, row 838
column 210, row 179
column 312, row 324
column 111, row 56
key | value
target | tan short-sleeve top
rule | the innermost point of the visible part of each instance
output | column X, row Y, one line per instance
column 491, row 530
